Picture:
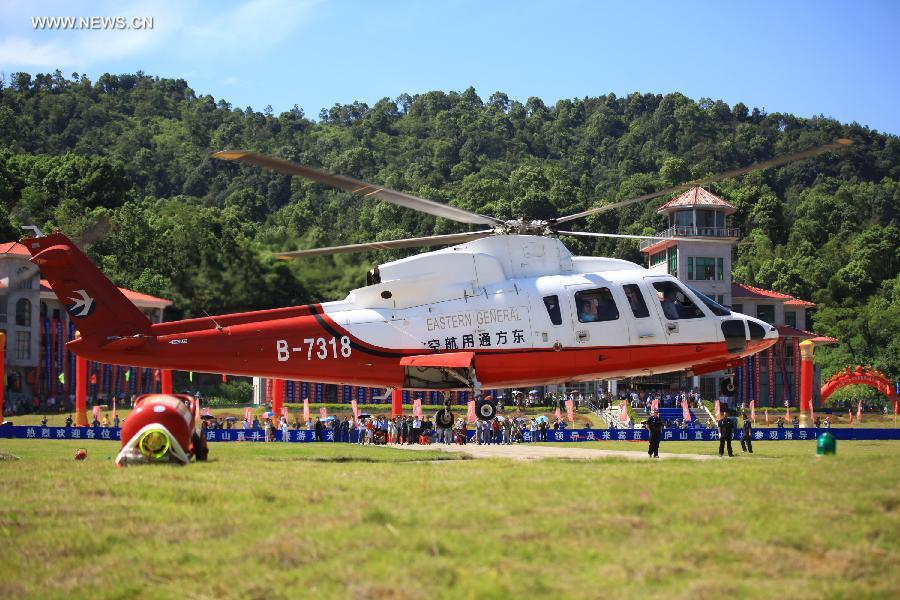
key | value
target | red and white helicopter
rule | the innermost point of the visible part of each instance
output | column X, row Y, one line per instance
column 506, row 305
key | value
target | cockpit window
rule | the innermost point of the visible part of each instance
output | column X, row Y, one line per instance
column 636, row 300
column 675, row 303
column 552, row 304
column 716, row 308
column 596, row 305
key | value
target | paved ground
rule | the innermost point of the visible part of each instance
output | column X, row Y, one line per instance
column 533, row 452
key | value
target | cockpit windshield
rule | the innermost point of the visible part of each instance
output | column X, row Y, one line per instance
column 715, row 307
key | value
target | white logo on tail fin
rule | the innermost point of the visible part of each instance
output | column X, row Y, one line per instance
column 81, row 307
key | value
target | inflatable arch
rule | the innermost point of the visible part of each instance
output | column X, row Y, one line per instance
column 859, row 375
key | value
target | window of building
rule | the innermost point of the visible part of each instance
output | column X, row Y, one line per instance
column 737, row 307
column 766, row 312
column 636, row 300
column 552, row 304
column 23, row 312
column 720, row 269
column 675, row 302
column 690, row 267
column 673, row 261
column 706, row 267
column 596, row 305
column 23, row 345
column 659, row 257
column 2, row 310
column 684, row 218
column 790, row 318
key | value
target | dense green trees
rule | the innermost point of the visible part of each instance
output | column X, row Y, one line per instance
column 133, row 150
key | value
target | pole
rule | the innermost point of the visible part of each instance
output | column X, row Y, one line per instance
column 167, row 381
column 277, row 398
column 807, row 349
column 3, row 369
column 81, row 392
column 396, row 402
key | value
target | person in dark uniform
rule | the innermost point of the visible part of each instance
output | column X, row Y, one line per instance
column 747, row 435
column 654, row 426
column 726, row 431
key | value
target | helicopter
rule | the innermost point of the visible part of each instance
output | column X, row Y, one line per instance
column 505, row 305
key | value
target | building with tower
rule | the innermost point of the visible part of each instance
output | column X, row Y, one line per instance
column 703, row 261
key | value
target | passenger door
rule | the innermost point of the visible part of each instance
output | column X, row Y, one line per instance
column 598, row 317
column 683, row 319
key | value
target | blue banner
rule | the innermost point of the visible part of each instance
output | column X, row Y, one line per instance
column 564, row 435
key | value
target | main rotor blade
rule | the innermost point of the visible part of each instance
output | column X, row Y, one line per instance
column 638, row 237
column 360, row 188
column 432, row 240
column 838, row 144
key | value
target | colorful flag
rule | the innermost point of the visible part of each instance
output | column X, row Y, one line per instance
column 896, row 407
column 323, row 413
column 417, row 407
column 718, row 410
column 850, row 414
column 470, row 412
column 127, row 374
column 62, row 378
column 558, row 414
column 284, row 412
column 114, row 408
column 355, row 408
column 685, row 411
column 655, row 404
column 859, row 412
column 787, row 412
column 623, row 412
column 306, row 410
column 96, row 412
column 753, row 411
column 767, row 416
column 224, row 378
column 812, row 412
column 570, row 410
column 248, row 414
column 190, row 376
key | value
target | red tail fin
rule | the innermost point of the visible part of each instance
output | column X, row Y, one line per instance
column 100, row 311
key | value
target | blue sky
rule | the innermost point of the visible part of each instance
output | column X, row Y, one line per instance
column 826, row 57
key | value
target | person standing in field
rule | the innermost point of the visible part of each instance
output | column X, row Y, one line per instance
column 747, row 435
column 654, row 426
column 726, row 431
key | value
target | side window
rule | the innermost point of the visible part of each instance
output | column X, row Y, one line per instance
column 596, row 305
column 675, row 303
column 636, row 300
column 552, row 304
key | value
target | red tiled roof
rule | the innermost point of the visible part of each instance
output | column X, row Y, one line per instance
column 14, row 248
column 657, row 246
column 742, row 290
column 788, row 331
column 130, row 294
column 697, row 197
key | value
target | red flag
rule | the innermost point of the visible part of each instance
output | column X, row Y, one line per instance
column 417, row 407
column 850, row 414
column 896, row 406
column 812, row 412
column 767, row 416
column 718, row 410
column 753, row 411
column 558, row 414
column 248, row 414
column 323, row 413
column 470, row 412
column 284, row 412
column 859, row 412
column 96, row 412
column 787, row 412
column 306, row 416
column 224, row 378
column 114, row 408
column 685, row 411
column 623, row 412
column 355, row 408
column 570, row 410
column 655, row 404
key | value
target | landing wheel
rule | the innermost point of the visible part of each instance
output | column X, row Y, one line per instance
column 444, row 418
column 486, row 409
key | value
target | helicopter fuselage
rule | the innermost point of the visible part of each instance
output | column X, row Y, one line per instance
column 505, row 310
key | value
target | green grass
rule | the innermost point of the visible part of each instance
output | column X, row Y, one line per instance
column 290, row 520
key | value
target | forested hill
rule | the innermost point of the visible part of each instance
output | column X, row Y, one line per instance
column 135, row 150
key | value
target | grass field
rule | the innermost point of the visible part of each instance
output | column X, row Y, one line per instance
column 341, row 521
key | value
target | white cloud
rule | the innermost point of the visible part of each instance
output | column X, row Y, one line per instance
column 182, row 31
